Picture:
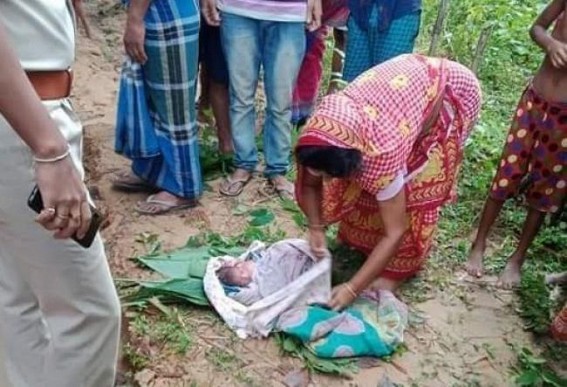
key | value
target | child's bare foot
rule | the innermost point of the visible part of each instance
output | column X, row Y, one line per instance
column 474, row 266
column 511, row 276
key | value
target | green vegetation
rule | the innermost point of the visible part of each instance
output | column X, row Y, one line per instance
column 509, row 60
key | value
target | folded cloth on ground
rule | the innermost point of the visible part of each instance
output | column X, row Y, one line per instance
column 372, row 326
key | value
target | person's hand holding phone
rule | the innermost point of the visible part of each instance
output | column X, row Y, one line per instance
column 66, row 209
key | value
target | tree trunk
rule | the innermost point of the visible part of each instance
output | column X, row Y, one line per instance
column 438, row 28
column 480, row 47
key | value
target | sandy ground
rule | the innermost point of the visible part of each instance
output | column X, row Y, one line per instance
column 466, row 338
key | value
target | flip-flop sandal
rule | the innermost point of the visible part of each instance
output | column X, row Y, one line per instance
column 270, row 189
column 234, row 187
column 285, row 194
column 128, row 183
column 161, row 206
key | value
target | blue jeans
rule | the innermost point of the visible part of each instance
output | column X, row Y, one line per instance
column 279, row 47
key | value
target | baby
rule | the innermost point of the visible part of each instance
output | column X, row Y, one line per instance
column 267, row 272
column 237, row 274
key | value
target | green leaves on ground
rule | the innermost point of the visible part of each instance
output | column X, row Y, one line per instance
column 532, row 371
column 293, row 347
column 261, row 217
column 182, row 271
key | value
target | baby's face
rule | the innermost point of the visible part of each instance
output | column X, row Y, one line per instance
column 241, row 273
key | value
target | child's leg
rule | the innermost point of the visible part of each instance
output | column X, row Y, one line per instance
column 511, row 275
column 336, row 82
column 491, row 211
column 548, row 180
column 512, row 168
column 204, row 101
column 220, row 103
column 217, row 72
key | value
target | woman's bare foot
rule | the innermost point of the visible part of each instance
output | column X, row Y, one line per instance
column 474, row 265
column 511, row 276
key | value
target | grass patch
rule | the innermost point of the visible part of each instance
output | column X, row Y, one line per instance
column 167, row 332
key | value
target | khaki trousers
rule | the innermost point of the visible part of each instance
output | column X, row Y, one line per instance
column 59, row 311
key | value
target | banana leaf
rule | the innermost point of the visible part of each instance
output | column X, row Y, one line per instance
column 190, row 290
column 188, row 262
column 183, row 271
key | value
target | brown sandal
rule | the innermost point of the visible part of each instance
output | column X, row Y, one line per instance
column 234, row 187
column 127, row 182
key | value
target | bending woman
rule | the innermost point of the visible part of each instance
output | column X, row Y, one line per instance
column 381, row 158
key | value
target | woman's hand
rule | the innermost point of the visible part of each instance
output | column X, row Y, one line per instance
column 318, row 242
column 342, row 296
column 134, row 37
column 66, row 208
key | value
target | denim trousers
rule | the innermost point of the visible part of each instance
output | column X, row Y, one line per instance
column 279, row 48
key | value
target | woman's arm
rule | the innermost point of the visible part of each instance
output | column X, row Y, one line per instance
column 395, row 223
column 135, row 33
column 312, row 199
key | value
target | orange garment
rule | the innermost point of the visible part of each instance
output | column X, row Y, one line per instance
column 382, row 114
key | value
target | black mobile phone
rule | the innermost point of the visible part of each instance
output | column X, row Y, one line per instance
column 35, row 202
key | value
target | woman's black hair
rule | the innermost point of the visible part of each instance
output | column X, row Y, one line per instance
column 334, row 161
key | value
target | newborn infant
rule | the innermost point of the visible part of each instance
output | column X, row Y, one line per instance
column 266, row 273
column 238, row 273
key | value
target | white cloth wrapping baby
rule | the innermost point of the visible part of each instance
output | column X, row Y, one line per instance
column 287, row 276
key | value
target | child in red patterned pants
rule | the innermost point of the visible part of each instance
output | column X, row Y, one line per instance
column 535, row 153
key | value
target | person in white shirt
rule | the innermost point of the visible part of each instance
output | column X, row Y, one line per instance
column 59, row 311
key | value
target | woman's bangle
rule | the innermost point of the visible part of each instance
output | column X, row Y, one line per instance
column 316, row 226
column 350, row 289
column 54, row 159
